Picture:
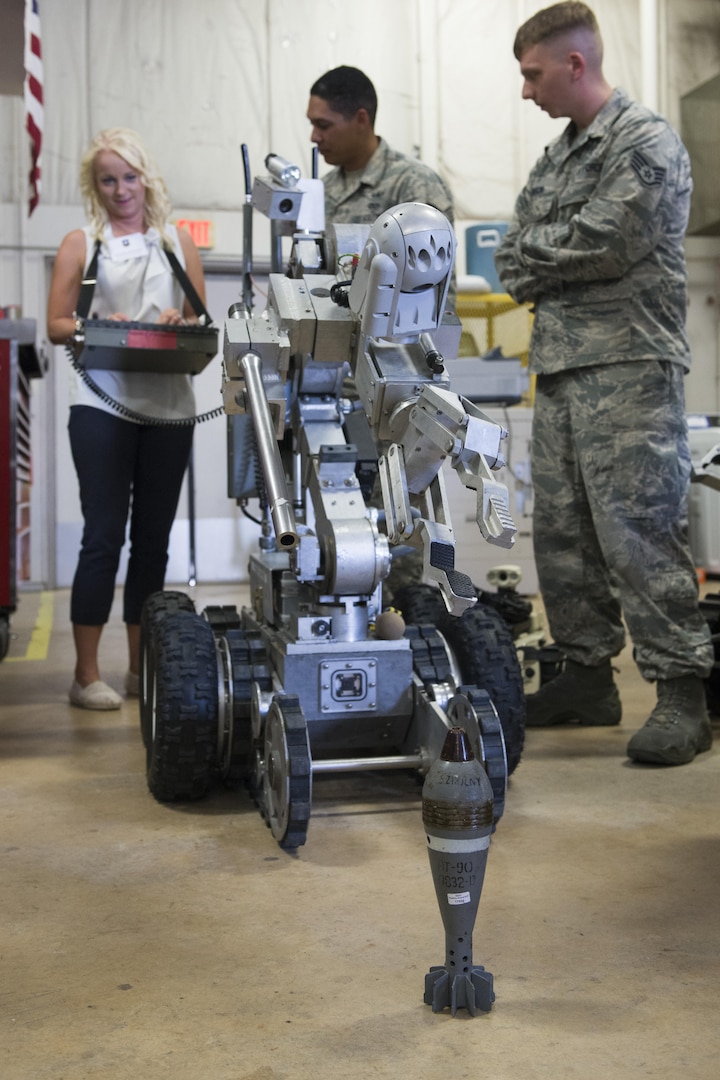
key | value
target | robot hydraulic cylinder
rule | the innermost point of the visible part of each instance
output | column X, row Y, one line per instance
column 268, row 452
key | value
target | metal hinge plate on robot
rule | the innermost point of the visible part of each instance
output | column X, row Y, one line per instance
column 335, row 325
column 259, row 336
column 314, row 321
column 350, row 685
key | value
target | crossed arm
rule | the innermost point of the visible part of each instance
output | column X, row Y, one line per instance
column 601, row 235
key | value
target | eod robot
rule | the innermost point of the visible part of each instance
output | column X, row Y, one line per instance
column 314, row 675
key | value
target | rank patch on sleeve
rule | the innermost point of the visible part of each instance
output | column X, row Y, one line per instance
column 649, row 175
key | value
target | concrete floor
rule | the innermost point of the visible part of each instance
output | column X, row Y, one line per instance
column 147, row 940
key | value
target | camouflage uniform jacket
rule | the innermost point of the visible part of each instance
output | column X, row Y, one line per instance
column 597, row 243
column 388, row 178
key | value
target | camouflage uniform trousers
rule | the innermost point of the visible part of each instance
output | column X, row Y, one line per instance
column 611, row 470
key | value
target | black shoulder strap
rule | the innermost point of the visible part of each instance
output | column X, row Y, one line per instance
column 87, row 286
column 188, row 287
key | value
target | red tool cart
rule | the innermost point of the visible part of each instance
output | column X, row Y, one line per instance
column 18, row 364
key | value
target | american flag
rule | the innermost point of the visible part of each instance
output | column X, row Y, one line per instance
column 33, row 96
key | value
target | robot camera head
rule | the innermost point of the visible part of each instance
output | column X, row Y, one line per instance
column 420, row 241
column 403, row 276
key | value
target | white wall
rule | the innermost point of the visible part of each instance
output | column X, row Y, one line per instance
column 198, row 79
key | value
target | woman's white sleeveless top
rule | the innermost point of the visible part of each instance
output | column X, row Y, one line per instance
column 140, row 287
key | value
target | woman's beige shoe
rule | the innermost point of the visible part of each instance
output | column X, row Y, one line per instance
column 97, row 695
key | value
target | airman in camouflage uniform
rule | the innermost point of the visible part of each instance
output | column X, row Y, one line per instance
column 368, row 177
column 597, row 245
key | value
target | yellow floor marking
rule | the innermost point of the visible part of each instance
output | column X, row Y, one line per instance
column 38, row 645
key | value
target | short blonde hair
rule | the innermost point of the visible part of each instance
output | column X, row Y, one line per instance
column 128, row 145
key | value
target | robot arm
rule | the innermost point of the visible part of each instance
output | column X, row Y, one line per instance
column 398, row 295
column 440, row 424
column 290, row 363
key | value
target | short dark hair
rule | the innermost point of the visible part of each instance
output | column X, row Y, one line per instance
column 552, row 22
column 346, row 89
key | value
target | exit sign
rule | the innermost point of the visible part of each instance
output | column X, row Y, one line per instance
column 202, row 230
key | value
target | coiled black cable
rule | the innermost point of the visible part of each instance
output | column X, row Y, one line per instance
column 130, row 414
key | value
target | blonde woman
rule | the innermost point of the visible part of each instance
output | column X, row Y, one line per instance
column 124, row 466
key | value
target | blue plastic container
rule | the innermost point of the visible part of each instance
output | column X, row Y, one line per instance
column 481, row 242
